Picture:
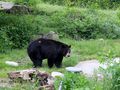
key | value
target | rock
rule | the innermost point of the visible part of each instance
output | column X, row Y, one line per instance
column 23, row 74
column 50, row 80
column 73, row 69
column 88, row 67
column 45, row 81
column 41, row 78
column 6, row 5
column 57, row 74
column 10, row 7
column 11, row 63
column 20, row 9
column 51, row 35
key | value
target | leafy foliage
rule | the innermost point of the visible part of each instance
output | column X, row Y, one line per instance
column 27, row 2
column 72, row 81
column 111, row 74
column 104, row 4
column 15, row 31
column 86, row 24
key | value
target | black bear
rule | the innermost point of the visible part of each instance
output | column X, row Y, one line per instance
column 49, row 49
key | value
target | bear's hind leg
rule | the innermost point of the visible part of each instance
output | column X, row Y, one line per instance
column 50, row 62
column 37, row 61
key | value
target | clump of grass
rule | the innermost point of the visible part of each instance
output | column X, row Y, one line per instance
column 72, row 81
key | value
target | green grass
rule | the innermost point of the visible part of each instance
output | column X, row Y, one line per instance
column 81, row 50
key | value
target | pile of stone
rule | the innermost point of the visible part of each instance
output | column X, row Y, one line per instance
column 44, row 80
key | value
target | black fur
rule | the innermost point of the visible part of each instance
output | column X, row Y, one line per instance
column 52, row 50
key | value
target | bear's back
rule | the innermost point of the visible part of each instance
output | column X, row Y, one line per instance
column 48, row 42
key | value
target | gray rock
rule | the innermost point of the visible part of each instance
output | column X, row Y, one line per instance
column 10, row 7
column 51, row 35
column 11, row 63
column 88, row 67
column 73, row 69
column 57, row 74
column 6, row 5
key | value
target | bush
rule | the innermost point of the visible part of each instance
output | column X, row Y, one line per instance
column 72, row 81
column 116, row 76
column 104, row 4
column 5, row 43
column 15, row 31
column 27, row 2
column 111, row 74
column 86, row 24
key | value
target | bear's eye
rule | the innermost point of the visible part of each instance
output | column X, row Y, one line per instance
column 69, row 51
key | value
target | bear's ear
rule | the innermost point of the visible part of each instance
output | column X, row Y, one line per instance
column 69, row 46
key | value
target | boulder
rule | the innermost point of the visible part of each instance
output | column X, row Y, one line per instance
column 20, row 9
column 10, row 7
column 51, row 35
column 6, row 5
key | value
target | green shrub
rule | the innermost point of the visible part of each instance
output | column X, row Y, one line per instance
column 5, row 43
column 116, row 76
column 86, row 24
column 16, row 31
column 27, row 2
column 72, row 81
column 104, row 4
column 111, row 74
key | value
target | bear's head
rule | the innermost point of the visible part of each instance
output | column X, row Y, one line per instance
column 66, row 50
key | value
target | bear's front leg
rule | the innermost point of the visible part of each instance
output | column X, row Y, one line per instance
column 58, row 61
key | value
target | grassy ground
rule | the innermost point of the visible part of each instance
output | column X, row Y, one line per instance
column 81, row 50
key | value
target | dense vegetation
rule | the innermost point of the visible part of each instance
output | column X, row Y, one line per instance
column 67, row 21
column 103, row 4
